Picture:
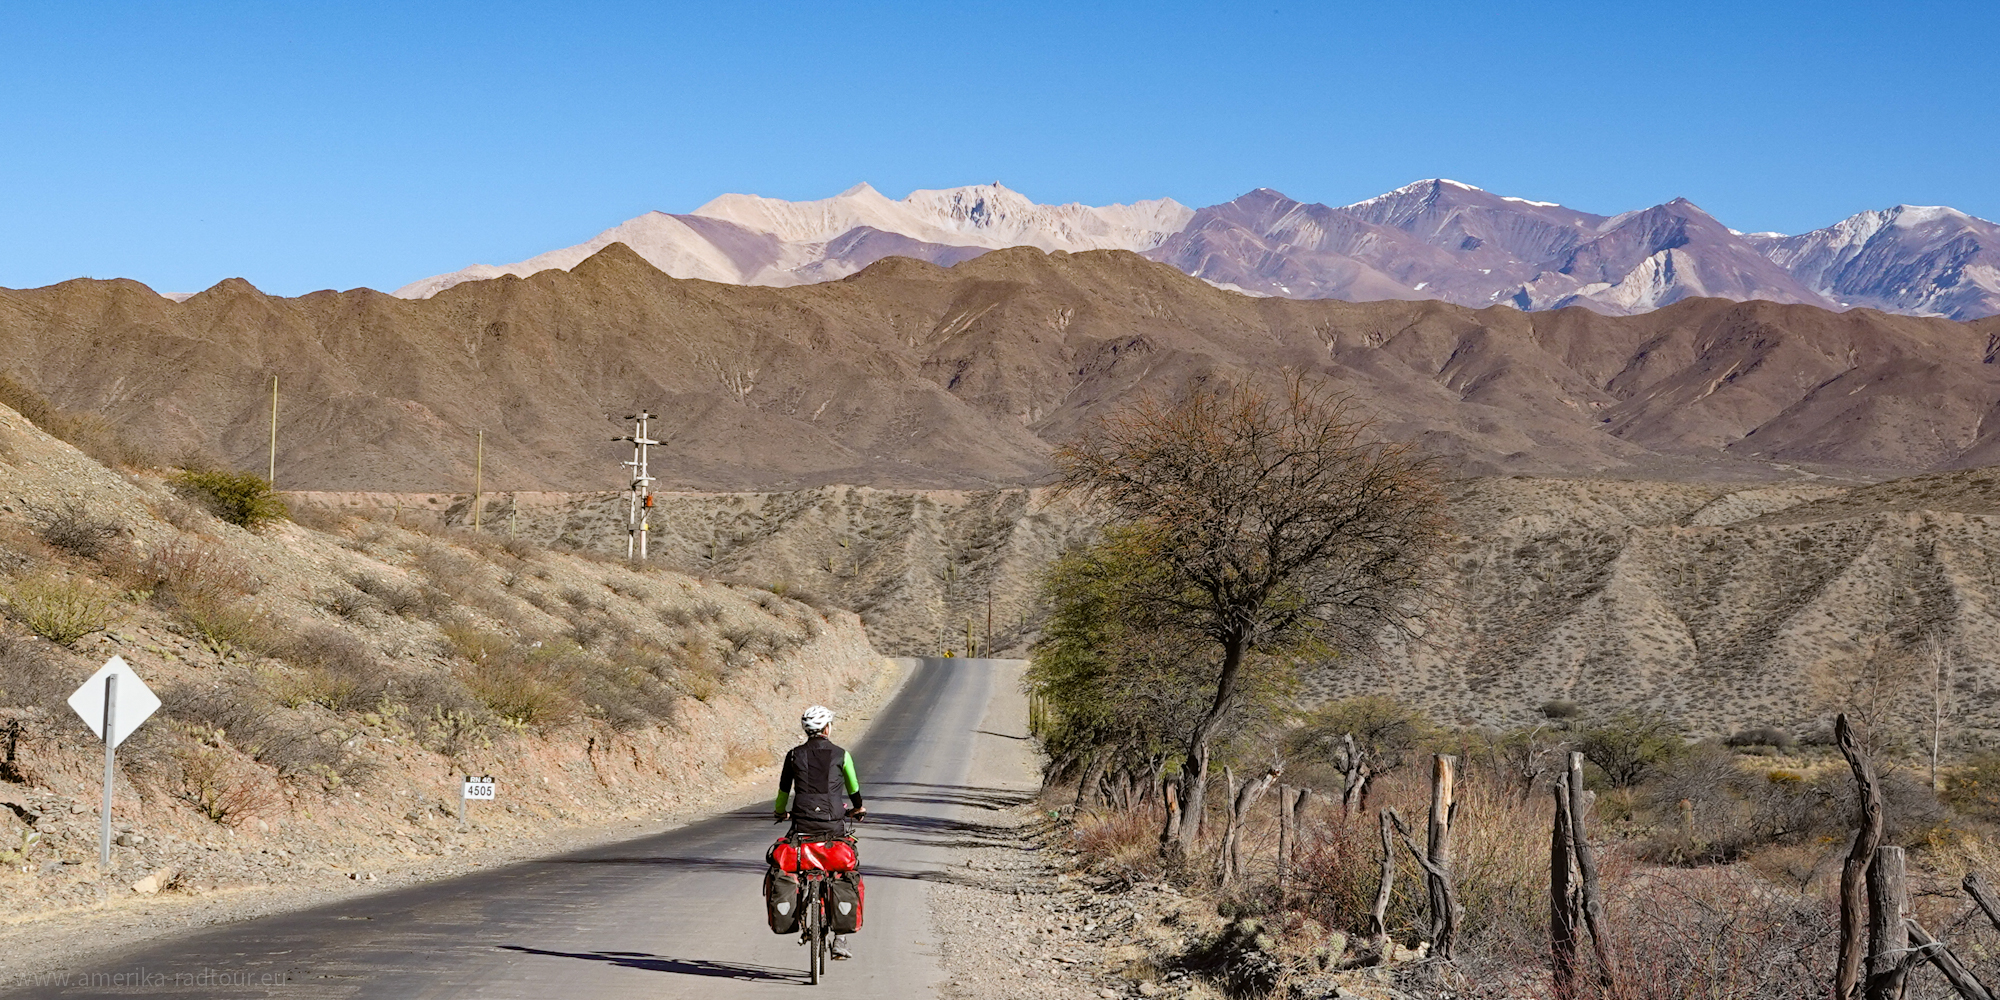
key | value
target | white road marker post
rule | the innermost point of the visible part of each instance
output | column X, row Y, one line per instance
column 481, row 788
column 97, row 702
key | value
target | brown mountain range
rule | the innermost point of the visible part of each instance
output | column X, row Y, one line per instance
column 913, row 375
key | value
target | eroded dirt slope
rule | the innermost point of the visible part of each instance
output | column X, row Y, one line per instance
column 1727, row 606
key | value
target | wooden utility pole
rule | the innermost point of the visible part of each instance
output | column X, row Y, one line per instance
column 273, row 476
column 639, row 505
column 478, row 477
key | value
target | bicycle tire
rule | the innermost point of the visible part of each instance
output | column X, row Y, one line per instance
column 814, row 920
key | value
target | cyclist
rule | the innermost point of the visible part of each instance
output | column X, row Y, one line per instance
column 816, row 773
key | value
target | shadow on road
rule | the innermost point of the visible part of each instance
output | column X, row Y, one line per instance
column 677, row 966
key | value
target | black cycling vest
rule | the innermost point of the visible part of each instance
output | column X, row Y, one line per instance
column 817, row 786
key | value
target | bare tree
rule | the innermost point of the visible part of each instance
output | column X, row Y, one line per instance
column 1275, row 524
column 1938, row 654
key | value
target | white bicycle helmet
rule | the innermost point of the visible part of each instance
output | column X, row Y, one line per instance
column 816, row 719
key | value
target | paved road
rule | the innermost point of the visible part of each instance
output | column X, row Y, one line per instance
column 675, row 914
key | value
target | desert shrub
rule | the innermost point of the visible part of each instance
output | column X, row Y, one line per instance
column 346, row 602
column 332, row 668
column 71, row 527
column 1721, row 932
column 1386, row 732
column 396, row 598
column 1121, row 841
column 528, row 685
column 34, row 674
column 1630, row 746
column 586, row 628
column 220, row 786
column 1500, row 848
column 1972, row 788
column 630, row 687
column 192, row 566
column 700, row 674
column 1559, row 710
column 226, row 625
column 1718, row 822
column 322, row 518
column 61, row 609
column 1762, row 736
column 240, row 714
column 472, row 642
column 89, row 433
column 448, row 571
column 244, row 499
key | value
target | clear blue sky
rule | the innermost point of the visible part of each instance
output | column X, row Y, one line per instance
column 313, row 146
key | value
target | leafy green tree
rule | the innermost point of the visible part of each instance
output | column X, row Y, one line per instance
column 1630, row 746
column 1367, row 737
column 1114, row 688
column 1274, row 526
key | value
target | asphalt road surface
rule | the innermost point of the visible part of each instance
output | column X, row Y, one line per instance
column 676, row 914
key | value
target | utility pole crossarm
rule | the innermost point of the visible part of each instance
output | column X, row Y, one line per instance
column 639, row 502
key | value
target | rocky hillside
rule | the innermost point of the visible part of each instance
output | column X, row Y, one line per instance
column 919, row 567
column 1726, row 606
column 910, row 375
column 323, row 686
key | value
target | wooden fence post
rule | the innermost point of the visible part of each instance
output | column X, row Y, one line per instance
column 1378, row 925
column 1854, row 872
column 1284, row 839
column 1242, row 798
column 1586, row 867
column 1563, row 917
column 1955, row 972
column 1445, row 910
column 1888, row 935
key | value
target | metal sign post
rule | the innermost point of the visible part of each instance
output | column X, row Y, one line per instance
column 110, row 769
column 639, row 504
column 98, row 702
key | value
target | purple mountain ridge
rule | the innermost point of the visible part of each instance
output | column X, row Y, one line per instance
column 1434, row 239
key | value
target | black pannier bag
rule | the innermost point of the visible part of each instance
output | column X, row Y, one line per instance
column 781, row 901
column 845, row 894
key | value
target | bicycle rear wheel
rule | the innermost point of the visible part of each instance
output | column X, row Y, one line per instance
column 815, row 933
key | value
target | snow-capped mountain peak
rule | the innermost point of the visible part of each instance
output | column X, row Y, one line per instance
column 983, row 215
column 1435, row 238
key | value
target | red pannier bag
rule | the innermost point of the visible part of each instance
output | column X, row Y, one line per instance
column 835, row 855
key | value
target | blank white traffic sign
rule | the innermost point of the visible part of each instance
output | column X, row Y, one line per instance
column 136, row 701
